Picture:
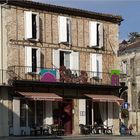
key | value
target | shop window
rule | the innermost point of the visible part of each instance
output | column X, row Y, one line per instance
column 22, row 113
column 31, row 113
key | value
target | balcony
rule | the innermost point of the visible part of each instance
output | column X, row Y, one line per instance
column 62, row 75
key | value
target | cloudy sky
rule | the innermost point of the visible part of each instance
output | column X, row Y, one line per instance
column 128, row 9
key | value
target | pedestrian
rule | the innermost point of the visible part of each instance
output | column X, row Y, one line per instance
column 130, row 129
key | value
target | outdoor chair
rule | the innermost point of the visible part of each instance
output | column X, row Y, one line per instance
column 57, row 130
column 84, row 129
column 107, row 129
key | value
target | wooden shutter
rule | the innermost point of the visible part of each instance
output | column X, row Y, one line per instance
column 93, row 65
column 28, row 24
column 38, row 60
column 56, row 62
column 101, row 35
column 74, row 61
column 99, row 58
column 93, row 34
column 28, row 59
column 62, row 29
column 37, row 27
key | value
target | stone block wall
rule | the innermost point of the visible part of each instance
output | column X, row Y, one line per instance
column 14, row 23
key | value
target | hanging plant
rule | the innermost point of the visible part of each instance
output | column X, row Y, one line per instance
column 124, row 113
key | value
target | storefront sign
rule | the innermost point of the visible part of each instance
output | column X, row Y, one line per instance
column 82, row 113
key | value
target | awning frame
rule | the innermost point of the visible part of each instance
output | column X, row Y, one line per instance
column 41, row 96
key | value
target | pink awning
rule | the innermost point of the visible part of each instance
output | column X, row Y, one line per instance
column 41, row 96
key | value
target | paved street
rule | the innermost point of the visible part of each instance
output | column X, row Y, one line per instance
column 75, row 138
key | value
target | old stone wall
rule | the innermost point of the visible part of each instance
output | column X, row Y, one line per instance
column 14, row 19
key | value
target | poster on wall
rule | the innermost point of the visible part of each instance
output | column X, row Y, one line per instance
column 115, row 75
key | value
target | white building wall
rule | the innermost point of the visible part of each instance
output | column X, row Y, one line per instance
column 82, row 111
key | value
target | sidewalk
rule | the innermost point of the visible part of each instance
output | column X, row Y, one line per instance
column 97, row 136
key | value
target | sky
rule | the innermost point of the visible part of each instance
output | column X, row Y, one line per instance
column 128, row 9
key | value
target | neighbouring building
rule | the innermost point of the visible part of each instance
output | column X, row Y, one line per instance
column 58, row 65
column 129, row 55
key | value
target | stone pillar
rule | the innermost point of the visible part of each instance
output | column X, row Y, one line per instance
column 16, row 116
column 82, row 111
column 75, row 112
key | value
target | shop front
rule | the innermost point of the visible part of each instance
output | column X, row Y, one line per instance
column 32, row 110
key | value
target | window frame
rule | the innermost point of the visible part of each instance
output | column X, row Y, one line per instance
column 32, row 32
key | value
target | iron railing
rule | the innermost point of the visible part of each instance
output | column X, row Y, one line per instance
column 58, row 75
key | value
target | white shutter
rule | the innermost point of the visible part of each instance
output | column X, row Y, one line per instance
column 38, row 59
column 99, row 58
column 93, row 34
column 62, row 29
column 93, row 65
column 28, row 59
column 28, row 24
column 100, row 35
column 74, row 60
column 37, row 27
column 56, row 62
column 56, row 58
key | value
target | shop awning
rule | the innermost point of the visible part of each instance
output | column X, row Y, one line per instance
column 105, row 98
column 41, row 96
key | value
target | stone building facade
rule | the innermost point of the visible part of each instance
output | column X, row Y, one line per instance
column 39, row 38
column 129, row 55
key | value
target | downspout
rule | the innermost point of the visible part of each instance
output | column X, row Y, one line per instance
column 1, row 43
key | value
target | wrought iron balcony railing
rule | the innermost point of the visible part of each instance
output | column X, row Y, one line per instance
column 59, row 75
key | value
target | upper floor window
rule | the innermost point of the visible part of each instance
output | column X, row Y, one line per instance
column 95, row 34
column 32, row 59
column 96, row 65
column 64, row 30
column 31, row 25
column 124, row 67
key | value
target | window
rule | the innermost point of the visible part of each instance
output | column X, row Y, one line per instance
column 64, row 30
column 65, row 59
column 32, row 59
column 31, row 25
column 96, row 65
column 68, row 58
column 124, row 67
column 96, row 34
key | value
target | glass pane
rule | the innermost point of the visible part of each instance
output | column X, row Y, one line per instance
column 31, row 113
